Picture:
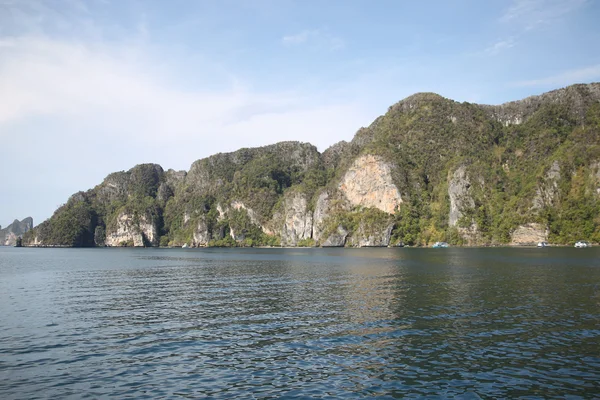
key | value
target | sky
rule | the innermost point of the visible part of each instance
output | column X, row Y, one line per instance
column 92, row 87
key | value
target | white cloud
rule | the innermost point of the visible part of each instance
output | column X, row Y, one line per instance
column 523, row 16
column 316, row 38
column 530, row 14
column 75, row 82
column 500, row 46
column 580, row 75
column 76, row 112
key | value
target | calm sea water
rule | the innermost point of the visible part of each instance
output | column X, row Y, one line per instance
column 351, row 323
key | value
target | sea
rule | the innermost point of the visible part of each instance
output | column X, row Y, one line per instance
column 466, row 323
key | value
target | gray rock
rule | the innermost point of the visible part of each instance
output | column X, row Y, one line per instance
column 369, row 237
column 297, row 220
column 9, row 235
column 336, row 239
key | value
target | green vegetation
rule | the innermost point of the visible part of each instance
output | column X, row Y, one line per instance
column 531, row 161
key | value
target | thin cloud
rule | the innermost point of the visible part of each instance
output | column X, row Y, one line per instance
column 40, row 76
column 524, row 16
column 500, row 46
column 565, row 78
column 530, row 14
column 315, row 38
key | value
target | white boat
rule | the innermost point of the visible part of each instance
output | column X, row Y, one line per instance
column 543, row 244
column 438, row 245
column 185, row 246
column 582, row 243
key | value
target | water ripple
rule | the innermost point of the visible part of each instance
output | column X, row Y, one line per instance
column 398, row 323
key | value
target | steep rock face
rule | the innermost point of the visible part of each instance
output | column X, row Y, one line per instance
column 547, row 192
column 9, row 235
column 201, row 235
column 369, row 237
column 458, row 191
column 368, row 183
column 128, row 231
column 401, row 160
column 322, row 206
column 297, row 220
column 336, row 239
column 529, row 234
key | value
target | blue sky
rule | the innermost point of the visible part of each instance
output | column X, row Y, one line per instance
column 92, row 87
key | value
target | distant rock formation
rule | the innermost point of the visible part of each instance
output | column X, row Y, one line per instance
column 9, row 235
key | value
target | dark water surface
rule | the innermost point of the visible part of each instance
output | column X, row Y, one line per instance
column 352, row 323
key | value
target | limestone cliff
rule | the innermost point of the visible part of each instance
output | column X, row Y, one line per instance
column 458, row 192
column 368, row 183
column 297, row 219
column 337, row 238
column 322, row 211
column 429, row 169
column 9, row 235
column 369, row 236
column 129, row 230
column 529, row 235
column 202, row 234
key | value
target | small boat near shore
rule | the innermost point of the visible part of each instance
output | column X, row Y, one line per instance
column 582, row 243
column 438, row 245
column 543, row 244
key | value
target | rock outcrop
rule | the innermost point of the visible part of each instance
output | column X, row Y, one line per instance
column 336, row 239
column 297, row 220
column 370, row 237
column 368, row 183
column 202, row 234
column 529, row 235
column 458, row 192
column 429, row 168
column 131, row 231
column 9, row 235
column 322, row 208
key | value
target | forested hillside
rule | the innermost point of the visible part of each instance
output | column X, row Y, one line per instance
column 430, row 169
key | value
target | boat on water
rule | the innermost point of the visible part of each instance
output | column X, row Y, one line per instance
column 438, row 245
column 582, row 243
column 543, row 244
column 185, row 246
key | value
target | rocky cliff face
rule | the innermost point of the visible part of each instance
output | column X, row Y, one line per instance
column 297, row 220
column 366, row 236
column 322, row 211
column 429, row 169
column 9, row 235
column 368, row 183
column 460, row 198
column 529, row 235
column 131, row 231
column 336, row 239
column 202, row 234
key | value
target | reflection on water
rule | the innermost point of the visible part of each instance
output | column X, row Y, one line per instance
column 306, row 322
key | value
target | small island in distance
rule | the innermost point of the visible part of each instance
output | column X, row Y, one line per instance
column 429, row 170
column 10, row 235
